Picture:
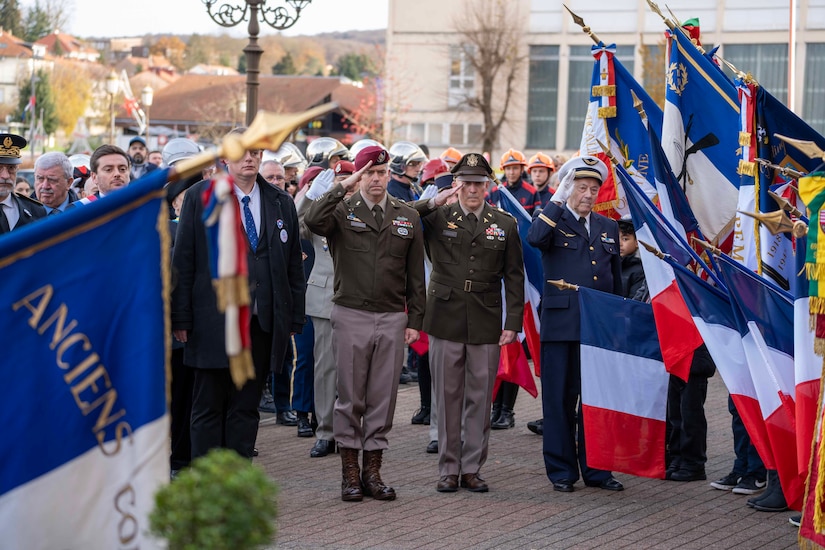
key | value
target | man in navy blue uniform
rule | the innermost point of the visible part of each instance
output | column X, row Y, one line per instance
column 582, row 248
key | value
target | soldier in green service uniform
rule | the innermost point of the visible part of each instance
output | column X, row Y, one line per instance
column 377, row 247
column 474, row 248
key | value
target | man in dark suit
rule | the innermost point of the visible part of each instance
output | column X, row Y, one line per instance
column 222, row 415
column 582, row 248
column 15, row 210
column 474, row 248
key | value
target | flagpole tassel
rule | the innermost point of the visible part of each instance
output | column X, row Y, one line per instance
column 607, row 112
column 744, row 139
column 603, row 91
column 747, row 168
column 241, row 369
column 232, row 291
column 815, row 271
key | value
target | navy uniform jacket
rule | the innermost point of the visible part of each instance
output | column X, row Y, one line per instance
column 401, row 190
column 568, row 253
column 464, row 297
column 29, row 210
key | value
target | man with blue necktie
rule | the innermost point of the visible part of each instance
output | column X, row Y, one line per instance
column 222, row 415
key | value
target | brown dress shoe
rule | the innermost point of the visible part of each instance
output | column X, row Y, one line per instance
column 350, row 478
column 371, row 477
column 473, row 483
column 447, row 484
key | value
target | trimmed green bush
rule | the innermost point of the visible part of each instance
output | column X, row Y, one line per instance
column 221, row 502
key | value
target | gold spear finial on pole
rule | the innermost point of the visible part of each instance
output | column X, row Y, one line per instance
column 778, row 222
column 655, row 9
column 267, row 131
column 639, row 106
column 580, row 22
column 808, row 147
column 608, row 152
column 652, row 249
column 561, row 284
column 783, row 170
column 785, row 205
column 707, row 246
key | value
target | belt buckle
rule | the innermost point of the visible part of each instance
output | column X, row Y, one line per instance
column 468, row 285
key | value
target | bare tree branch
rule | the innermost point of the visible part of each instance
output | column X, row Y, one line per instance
column 492, row 36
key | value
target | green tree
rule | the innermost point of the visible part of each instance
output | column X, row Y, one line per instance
column 197, row 51
column 356, row 66
column 37, row 23
column 285, row 66
column 11, row 19
column 242, row 64
column 44, row 101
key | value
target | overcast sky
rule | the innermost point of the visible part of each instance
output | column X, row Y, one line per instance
column 106, row 18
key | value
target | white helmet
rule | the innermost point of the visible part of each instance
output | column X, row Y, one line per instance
column 178, row 149
column 403, row 152
column 356, row 147
column 319, row 151
column 290, row 156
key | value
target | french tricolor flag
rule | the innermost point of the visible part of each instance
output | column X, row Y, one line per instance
column 513, row 365
column 714, row 318
column 624, row 385
column 807, row 366
column 765, row 316
column 678, row 336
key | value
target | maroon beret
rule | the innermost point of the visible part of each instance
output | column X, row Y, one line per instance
column 344, row 168
column 375, row 153
column 310, row 174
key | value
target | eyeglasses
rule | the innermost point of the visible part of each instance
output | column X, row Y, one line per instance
column 274, row 178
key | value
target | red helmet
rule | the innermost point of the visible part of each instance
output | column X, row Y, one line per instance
column 433, row 168
column 540, row 160
column 513, row 158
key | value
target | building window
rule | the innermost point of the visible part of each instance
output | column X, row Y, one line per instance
column 462, row 77
column 416, row 133
column 542, row 97
column 813, row 111
column 456, row 134
column 768, row 63
column 578, row 89
column 474, row 134
column 435, row 134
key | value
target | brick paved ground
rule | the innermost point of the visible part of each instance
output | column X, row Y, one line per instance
column 521, row 510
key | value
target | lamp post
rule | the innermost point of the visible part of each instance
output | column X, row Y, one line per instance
column 112, row 86
column 279, row 18
column 147, row 95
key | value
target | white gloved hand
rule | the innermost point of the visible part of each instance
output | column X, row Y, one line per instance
column 565, row 188
column 429, row 192
column 320, row 184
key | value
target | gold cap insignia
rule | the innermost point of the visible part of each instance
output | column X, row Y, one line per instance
column 472, row 160
column 590, row 161
column 10, row 150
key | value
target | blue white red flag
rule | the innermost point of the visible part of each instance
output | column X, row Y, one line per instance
column 85, row 304
column 513, row 362
column 678, row 336
column 612, row 119
column 623, row 385
column 714, row 318
column 765, row 317
column 700, row 136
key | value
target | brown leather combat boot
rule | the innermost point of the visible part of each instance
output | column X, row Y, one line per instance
column 371, row 477
column 350, row 476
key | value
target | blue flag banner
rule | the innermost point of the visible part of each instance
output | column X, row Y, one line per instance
column 700, row 136
column 83, row 385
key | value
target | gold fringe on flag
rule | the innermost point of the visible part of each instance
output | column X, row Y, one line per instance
column 231, row 291
column 241, row 369
column 603, row 91
column 747, row 168
column 607, row 112
column 744, row 139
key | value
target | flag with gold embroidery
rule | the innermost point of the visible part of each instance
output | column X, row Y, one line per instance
column 83, row 372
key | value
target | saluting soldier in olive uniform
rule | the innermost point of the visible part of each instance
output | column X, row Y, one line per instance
column 377, row 246
column 473, row 247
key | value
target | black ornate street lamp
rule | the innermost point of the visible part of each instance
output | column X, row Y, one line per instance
column 279, row 18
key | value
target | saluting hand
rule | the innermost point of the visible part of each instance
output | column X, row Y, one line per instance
column 353, row 180
column 444, row 195
column 411, row 335
column 507, row 337
column 565, row 188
